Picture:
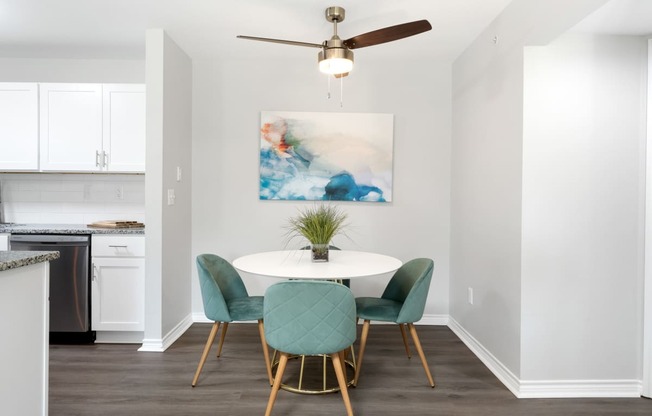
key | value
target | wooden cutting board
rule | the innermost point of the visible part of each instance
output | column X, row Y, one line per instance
column 116, row 224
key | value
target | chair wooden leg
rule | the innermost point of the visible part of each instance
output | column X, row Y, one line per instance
column 405, row 341
column 207, row 348
column 263, row 341
column 343, row 362
column 277, row 383
column 417, row 344
column 222, row 336
column 341, row 380
column 363, row 344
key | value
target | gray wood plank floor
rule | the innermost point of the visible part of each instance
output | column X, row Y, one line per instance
column 115, row 380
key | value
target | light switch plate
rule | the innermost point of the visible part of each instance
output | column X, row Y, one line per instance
column 171, row 197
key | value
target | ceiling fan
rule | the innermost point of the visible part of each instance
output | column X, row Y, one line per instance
column 336, row 56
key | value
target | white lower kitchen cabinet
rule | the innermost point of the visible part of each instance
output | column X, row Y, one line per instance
column 118, row 288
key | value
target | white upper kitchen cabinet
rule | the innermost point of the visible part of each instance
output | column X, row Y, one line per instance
column 124, row 127
column 71, row 127
column 18, row 126
column 92, row 127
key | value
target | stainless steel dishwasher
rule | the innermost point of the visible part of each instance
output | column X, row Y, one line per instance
column 69, row 283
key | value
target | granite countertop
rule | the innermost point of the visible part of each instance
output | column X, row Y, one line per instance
column 64, row 229
column 15, row 259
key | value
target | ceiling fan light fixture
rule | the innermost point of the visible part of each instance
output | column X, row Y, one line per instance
column 335, row 61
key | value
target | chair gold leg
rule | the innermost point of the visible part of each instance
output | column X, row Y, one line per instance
column 263, row 341
column 277, row 383
column 207, row 348
column 350, row 349
column 363, row 344
column 303, row 363
column 323, row 378
column 222, row 336
column 341, row 380
column 405, row 341
column 417, row 344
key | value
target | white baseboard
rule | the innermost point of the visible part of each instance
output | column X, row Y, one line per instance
column 493, row 364
column 546, row 389
column 438, row 320
column 162, row 344
column 199, row 317
column 579, row 389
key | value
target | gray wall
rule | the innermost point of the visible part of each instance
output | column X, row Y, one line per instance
column 228, row 218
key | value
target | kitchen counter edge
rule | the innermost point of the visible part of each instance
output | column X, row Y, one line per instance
column 65, row 229
column 15, row 259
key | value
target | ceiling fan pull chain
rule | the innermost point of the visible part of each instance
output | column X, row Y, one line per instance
column 341, row 91
column 329, row 87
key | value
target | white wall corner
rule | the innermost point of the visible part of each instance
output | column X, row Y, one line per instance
column 546, row 389
column 488, row 359
column 647, row 302
column 162, row 344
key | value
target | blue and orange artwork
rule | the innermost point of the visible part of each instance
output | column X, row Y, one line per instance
column 326, row 156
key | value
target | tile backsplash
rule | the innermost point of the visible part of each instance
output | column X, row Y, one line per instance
column 72, row 198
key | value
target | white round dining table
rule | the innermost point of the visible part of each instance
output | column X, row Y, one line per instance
column 298, row 264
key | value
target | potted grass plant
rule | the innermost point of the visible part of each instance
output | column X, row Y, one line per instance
column 317, row 224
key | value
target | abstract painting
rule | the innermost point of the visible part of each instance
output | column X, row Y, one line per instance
column 326, row 156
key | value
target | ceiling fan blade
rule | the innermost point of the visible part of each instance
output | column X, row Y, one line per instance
column 285, row 42
column 388, row 34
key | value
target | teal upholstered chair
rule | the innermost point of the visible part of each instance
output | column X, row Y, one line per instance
column 307, row 317
column 226, row 300
column 402, row 302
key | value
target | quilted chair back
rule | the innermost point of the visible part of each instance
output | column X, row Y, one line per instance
column 219, row 283
column 309, row 317
column 410, row 285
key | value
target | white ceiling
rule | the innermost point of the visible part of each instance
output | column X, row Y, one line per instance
column 208, row 28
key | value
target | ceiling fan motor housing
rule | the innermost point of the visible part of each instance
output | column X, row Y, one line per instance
column 335, row 14
column 335, row 60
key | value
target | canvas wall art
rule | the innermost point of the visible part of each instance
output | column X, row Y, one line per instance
column 326, row 156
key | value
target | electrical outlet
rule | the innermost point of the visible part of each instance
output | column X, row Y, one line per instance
column 119, row 192
column 178, row 173
column 470, row 295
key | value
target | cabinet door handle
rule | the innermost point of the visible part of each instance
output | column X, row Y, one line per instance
column 97, row 158
column 117, row 246
column 94, row 275
column 105, row 159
